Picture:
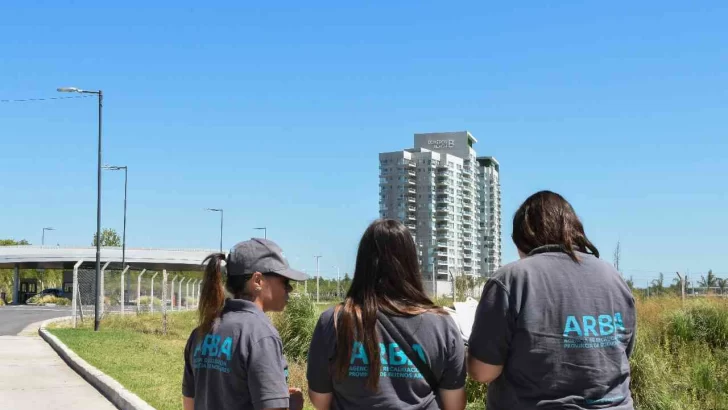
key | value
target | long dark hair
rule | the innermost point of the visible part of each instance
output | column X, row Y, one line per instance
column 546, row 218
column 212, row 296
column 387, row 278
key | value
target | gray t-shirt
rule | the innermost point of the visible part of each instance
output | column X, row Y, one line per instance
column 239, row 364
column 401, row 386
column 563, row 332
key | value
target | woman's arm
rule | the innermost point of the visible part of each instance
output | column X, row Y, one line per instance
column 188, row 403
column 483, row 372
column 453, row 399
column 321, row 401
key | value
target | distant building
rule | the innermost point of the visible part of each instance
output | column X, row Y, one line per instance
column 449, row 198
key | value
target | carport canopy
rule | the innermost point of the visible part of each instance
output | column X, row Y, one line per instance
column 47, row 257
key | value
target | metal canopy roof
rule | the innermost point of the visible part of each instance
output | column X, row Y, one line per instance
column 51, row 257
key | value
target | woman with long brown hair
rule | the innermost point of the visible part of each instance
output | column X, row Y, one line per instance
column 387, row 346
column 234, row 358
column 555, row 329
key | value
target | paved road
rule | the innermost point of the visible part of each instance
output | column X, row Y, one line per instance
column 13, row 319
column 32, row 375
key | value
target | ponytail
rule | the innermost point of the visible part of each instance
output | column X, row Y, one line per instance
column 212, row 297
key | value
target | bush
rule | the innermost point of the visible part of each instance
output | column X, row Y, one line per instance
column 48, row 299
column 296, row 325
column 703, row 323
column 144, row 302
column 2, row 302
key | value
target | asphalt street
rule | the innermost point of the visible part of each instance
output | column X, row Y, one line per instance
column 13, row 319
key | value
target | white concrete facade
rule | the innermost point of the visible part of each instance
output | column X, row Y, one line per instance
column 439, row 190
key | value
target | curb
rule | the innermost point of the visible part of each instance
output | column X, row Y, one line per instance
column 117, row 394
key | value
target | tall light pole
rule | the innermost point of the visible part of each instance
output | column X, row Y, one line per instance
column 221, row 215
column 123, row 235
column 317, row 277
column 265, row 232
column 338, row 283
column 97, row 308
column 42, row 238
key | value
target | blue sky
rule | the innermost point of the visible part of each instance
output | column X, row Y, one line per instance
column 276, row 113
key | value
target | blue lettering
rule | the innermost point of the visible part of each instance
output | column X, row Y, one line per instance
column 198, row 350
column 227, row 347
column 417, row 348
column 383, row 353
column 396, row 356
column 618, row 322
column 209, row 346
column 572, row 326
column 605, row 325
column 590, row 324
column 359, row 353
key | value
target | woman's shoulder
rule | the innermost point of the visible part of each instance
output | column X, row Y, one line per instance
column 438, row 320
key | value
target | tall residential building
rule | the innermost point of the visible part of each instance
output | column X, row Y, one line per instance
column 449, row 199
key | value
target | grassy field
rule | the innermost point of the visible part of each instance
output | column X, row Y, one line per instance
column 680, row 362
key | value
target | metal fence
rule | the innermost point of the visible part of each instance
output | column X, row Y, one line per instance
column 131, row 291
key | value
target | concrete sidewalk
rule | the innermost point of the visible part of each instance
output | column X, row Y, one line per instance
column 33, row 376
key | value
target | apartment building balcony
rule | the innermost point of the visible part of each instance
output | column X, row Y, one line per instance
column 412, row 181
column 411, row 199
column 411, row 227
column 442, row 254
column 412, row 191
column 441, row 262
column 412, row 209
column 411, row 217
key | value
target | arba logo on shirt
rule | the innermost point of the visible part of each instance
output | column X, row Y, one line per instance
column 590, row 332
column 395, row 363
column 213, row 355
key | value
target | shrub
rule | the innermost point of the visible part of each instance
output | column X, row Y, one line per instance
column 144, row 301
column 2, row 302
column 703, row 323
column 48, row 299
column 295, row 325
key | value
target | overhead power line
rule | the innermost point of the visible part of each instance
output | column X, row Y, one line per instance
column 45, row 99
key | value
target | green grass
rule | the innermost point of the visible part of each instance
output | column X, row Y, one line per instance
column 680, row 361
column 133, row 351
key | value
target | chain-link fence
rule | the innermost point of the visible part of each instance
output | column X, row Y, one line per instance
column 132, row 291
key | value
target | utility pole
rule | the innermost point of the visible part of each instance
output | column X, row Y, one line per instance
column 317, row 277
column 682, row 286
column 338, row 283
column 97, row 303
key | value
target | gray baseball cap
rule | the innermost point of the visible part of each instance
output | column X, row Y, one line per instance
column 260, row 255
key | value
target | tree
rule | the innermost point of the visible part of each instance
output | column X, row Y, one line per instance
column 109, row 237
column 708, row 281
column 12, row 242
column 345, row 284
column 722, row 284
column 630, row 283
column 659, row 283
column 617, row 256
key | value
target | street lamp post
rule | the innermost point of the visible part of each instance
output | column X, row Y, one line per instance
column 123, row 234
column 265, row 231
column 338, row 283
column 317, row 277
column 42, row 239
column 97, row 303
column 221, row 217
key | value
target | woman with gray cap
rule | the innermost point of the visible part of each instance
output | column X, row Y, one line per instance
column 234, row 359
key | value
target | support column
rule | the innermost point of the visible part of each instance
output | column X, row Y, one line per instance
column 16, row 284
